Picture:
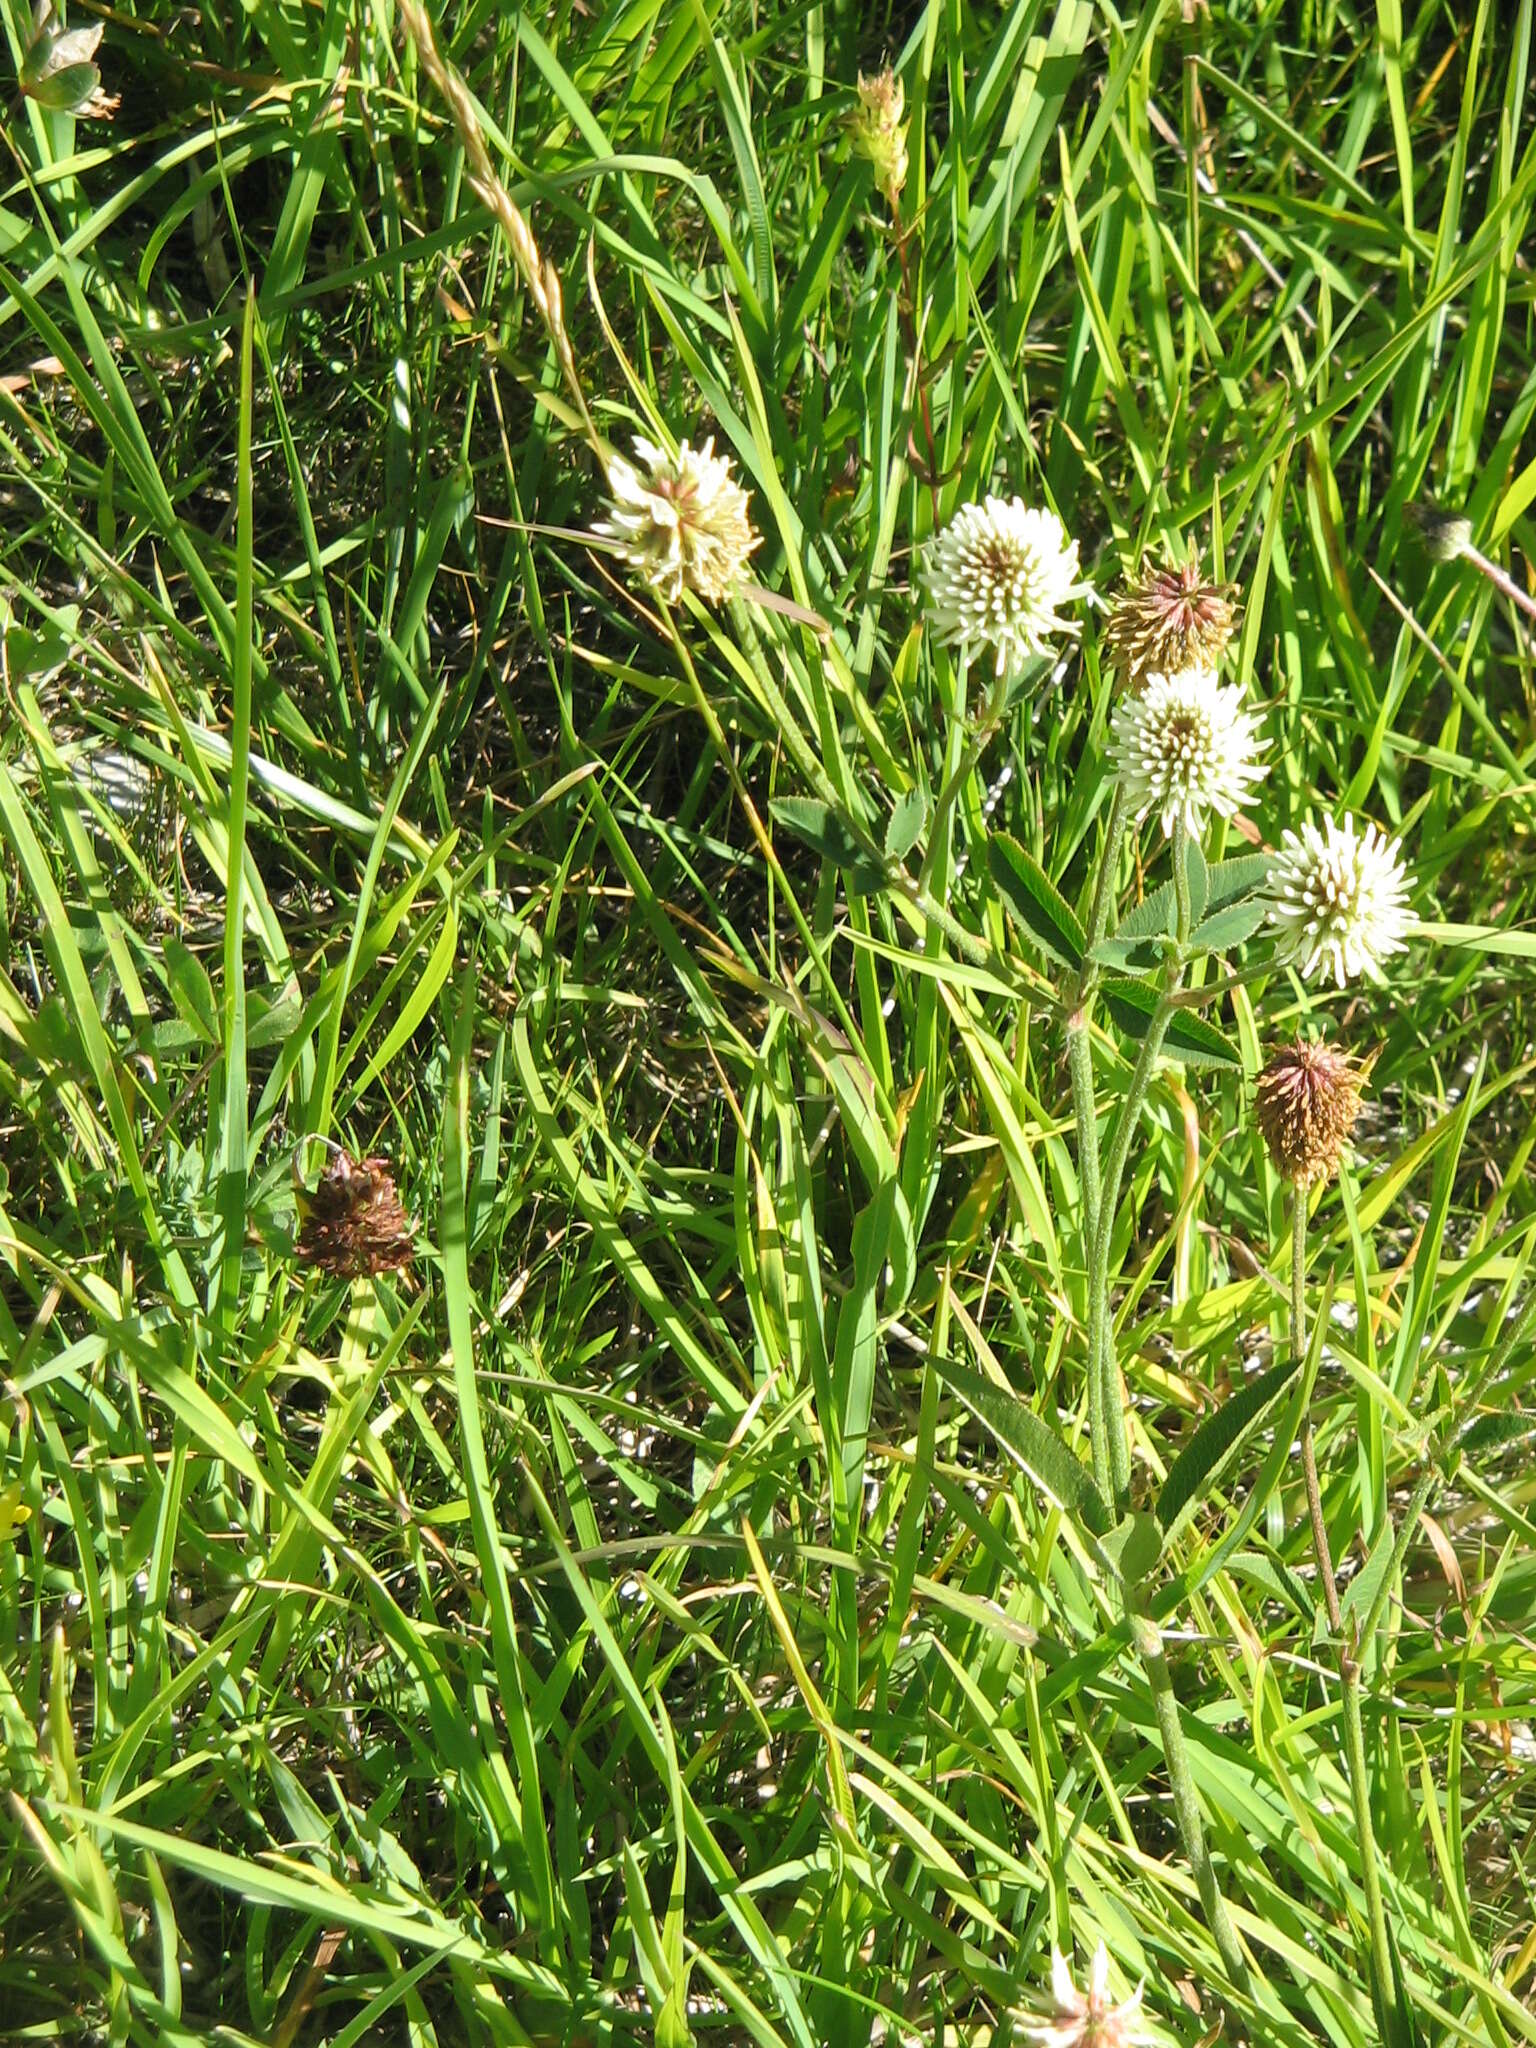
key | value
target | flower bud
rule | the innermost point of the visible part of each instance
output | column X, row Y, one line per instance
column 1446, row 535
column 58, row 68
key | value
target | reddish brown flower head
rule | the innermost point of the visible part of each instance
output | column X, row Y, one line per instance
column 353, row 1222
column 1307, row 1100
column 1168, row 620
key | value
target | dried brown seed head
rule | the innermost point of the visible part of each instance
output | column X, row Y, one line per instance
column 354, row 1225
column 1169, row 620
column 1307, row 1100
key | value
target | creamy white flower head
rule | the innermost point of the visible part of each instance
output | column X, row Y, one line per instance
column 1339, row 899
column 1088, row 2019
column 1186, row 745
column 997, row 577
column 682, row 521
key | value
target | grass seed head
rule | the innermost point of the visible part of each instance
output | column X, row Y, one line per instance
column 878, row 131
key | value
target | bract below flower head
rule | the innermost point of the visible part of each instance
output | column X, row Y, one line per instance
column 1339, row 900
column 997, row 578
column 683, row 521
column 1087, row 2019
column 58, row 68
column 1185, row 746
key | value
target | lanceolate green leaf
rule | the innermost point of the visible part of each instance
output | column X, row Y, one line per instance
column 905, row 826
column 823, row 830
column 1137, row 940
column 1229, row 881
column 1034, row 1445
column 1223, row 929
column 1216, row 1444
column 1189, row 1037
column 1034, row 902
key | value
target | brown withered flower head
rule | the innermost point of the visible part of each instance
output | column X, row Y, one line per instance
column 1307, row 1100
column 353, row 1224
column 1169, row 620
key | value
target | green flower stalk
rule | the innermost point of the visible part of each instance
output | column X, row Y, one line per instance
column 1307, row 1101
column 1184, row 747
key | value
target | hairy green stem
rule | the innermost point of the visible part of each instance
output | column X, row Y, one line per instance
column 1501, row 580
column 1085, row 1114
column 1103, row 887
column 988, row 720
column 1101, row 1350
column 1208, row 991
column 1084, row 1109
column 1349, row 1659
column 1375, row 1904
column 1100, row 1193
column 1320, row 1542
column 1186, row 1801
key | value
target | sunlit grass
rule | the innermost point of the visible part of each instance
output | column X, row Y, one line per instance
column 649, row 1614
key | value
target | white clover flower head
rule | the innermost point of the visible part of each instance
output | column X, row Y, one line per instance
column 682, row 522
column 1339, row 900
column 1088, row 2019
column 1184, row 746
column 997, row 577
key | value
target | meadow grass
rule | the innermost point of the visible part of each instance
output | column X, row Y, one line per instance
column 674, row 1607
